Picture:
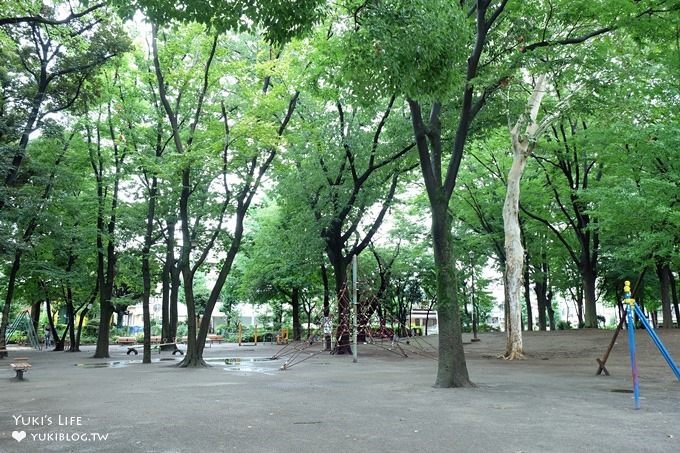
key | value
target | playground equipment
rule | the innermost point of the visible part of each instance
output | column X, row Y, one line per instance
column 299, row 351
column 282, row 337
column 630, row 308
column 25, row 323
column 389, row 340
column 240, row 336
column 382, row 338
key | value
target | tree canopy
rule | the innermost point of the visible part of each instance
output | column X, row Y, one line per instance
column 259, row 145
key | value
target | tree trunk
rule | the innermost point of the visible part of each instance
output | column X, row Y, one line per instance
column 551, row 312
column 105, row 275
column 71, row 317
column 75, row 343
column 35, row 315
column 175, row 285
column 540, row 289
column 105, row 313
column 295, row 304
column 452, row 367
column 514, row 257
column 106, row 256
column 194, row 354
column 663, row 271
column 166, row 279
column 70, row 309
column 11, row 283
column 328, row 339
column 514, row 251
column 674, row 293
column 578, row 302
column 527, row 299
column 342, row 335
column 543, row 294
column 56, row 343
column 146, row 269
column 589, row 277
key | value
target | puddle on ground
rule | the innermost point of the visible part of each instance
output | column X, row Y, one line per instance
column 121, row 363
column 240, row 360
column 247, row 364
column 244, row 364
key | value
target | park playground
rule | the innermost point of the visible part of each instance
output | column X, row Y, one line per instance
column 553, row 401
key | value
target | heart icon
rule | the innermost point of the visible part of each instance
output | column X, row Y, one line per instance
column 19, row 435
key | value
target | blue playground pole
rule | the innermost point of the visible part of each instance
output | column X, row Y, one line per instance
column 631, row 341
column 657, row 341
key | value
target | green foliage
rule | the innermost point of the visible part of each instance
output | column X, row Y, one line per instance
column 623, row 127
column 563, row 325
column 281, row 21
column 116, row 332
column 182, row 329
column 412, row 48
column 483, row 327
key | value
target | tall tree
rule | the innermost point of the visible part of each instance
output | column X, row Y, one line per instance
column 276, row 274
column 57, row 56
column 524, row 135
column 107, row 164
column 50, row 64
column 250, row 126
column 348, row 175
column 436, row 36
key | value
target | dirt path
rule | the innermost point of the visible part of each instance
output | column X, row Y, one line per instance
column 553, row 401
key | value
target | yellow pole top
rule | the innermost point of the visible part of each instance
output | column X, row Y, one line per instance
column 626, row 294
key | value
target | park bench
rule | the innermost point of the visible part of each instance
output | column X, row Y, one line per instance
column 218, row 338
column 126, row 340
column 19, row 366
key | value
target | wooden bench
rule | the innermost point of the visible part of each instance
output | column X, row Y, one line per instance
column 19, row 366
column 217, row 338
column 126, row 340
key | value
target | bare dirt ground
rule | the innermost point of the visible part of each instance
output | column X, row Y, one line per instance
column 552, row 401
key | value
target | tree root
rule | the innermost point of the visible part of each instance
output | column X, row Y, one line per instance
column 515, row 355
column 462, row 384
column 193, row 364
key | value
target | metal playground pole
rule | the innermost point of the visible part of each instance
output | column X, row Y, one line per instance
column 631, row 306
column 630, row 303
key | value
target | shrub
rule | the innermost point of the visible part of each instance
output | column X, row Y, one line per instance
column 484, row 327
column 182, row 329
column 88, row 339
column 17, row 337
column 563, row 325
